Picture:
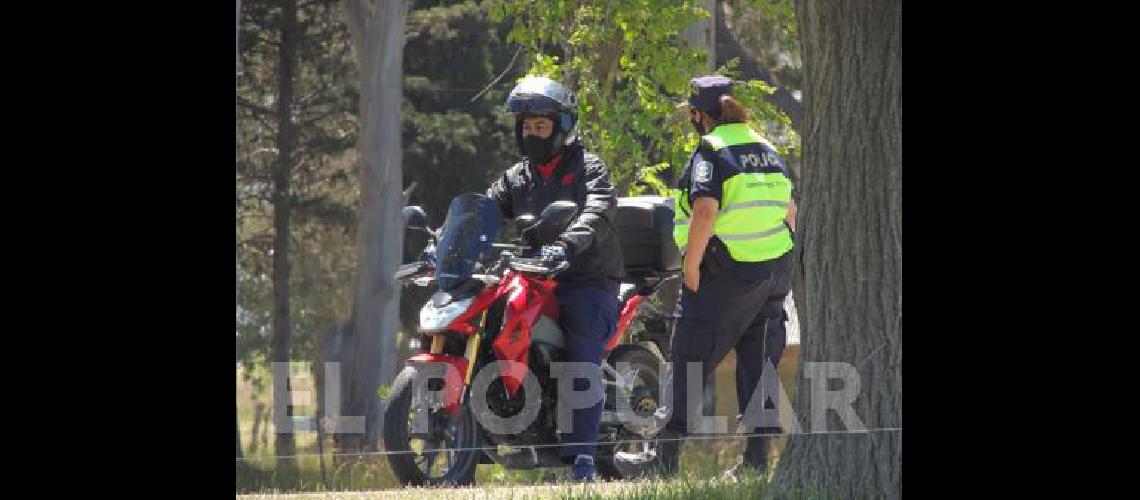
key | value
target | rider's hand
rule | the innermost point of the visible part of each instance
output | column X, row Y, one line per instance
column 553, row 252
column 428, row 254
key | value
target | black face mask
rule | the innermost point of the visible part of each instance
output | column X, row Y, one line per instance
column 539, row 150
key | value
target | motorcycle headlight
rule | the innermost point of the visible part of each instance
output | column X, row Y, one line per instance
column 435, row 318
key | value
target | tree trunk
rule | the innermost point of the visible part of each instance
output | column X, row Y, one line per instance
column 265, row 415
column 237, row 431
column 253, row 433
column 607, row 62
column 237, row 38
column 703, row 34
column 286, row 143
column 237, row 296
column 369, row 355
column 849, row 290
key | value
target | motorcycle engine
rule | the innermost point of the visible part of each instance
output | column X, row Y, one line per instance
column 541, row 430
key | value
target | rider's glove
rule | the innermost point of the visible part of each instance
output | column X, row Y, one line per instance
column 553, row 252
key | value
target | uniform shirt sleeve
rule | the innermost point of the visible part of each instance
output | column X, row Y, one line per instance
column 705, row 179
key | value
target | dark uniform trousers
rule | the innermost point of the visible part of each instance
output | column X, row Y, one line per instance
column 739, row 306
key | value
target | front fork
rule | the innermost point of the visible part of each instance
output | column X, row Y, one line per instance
column 471, row 354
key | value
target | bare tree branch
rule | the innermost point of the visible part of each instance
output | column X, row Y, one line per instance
column 304, row 101
column 727, row 47
column 310, row 3
column 256, row 108
column 264, row 120
column 500, row 77
column 269, row 41
column 310, row 121
column 408, row 191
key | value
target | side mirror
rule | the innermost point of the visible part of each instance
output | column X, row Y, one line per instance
column 415, row 217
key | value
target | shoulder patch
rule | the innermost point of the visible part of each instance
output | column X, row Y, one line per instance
column 702, row 171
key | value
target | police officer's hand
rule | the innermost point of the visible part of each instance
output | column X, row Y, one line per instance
column 693, row 278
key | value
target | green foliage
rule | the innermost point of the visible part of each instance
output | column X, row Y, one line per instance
column 770, row 121
column 626, row 59
column 451, row 144
column 649, row 181
column 323, row 195
column 630, row 65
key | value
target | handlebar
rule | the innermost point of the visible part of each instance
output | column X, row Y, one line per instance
column 411, row 268
column 418, row 272
column 421, row 272
column 537, row 266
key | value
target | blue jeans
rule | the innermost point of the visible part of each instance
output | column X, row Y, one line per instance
column 589, row 314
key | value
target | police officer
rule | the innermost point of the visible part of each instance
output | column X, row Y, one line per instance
column 733, row 221
column 555, row 166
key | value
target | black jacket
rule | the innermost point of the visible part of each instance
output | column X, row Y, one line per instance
column 591, row 240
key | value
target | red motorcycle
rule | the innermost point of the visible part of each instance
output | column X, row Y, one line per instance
column 509, row 314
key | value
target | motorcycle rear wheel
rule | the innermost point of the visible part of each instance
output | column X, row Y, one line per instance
column 637, row 458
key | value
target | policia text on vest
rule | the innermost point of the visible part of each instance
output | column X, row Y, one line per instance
column 753, row 185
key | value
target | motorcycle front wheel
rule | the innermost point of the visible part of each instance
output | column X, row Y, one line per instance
column 446, row 454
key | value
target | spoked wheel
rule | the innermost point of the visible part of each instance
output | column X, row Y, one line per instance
column 445, row 454
column 635, row 455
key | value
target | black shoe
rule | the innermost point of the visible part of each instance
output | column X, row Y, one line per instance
column 756, row 451
column 584, row 470
column 668, row 452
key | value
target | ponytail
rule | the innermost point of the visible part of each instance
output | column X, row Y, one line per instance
column 731, row 111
